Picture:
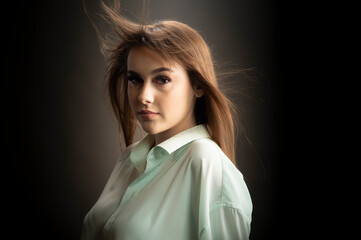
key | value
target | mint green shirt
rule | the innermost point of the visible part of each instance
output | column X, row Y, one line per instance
column 183, row 188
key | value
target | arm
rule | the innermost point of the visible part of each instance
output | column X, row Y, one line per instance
column 226, row 222
column 223, row 206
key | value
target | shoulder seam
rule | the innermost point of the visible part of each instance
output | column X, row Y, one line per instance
column 218, row 205
column 227, row 205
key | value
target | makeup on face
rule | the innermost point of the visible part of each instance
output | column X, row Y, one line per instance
column 160, row 94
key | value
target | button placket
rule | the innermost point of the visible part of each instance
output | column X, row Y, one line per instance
column 155, row 158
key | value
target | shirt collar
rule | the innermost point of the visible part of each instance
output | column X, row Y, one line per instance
column 140, row 151
column 182, row 138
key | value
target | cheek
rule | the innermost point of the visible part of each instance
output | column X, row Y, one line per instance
column 177, row 102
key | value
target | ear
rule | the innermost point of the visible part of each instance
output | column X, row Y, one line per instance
column 198, row 91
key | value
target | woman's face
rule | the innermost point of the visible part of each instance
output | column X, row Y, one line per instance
column 160, row 95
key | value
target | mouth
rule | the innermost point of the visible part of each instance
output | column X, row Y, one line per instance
column 146, row 114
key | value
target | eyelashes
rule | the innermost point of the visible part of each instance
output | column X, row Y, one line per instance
column 159, row 79
column 162, row 79
column 134, row 80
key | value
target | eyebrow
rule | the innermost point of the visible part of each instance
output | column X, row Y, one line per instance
column 155, row 71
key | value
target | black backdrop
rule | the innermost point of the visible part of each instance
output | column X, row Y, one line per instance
column 60, row 138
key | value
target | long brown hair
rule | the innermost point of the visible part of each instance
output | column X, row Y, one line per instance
column 174, row 41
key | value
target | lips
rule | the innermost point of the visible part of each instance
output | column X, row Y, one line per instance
column 147, row 114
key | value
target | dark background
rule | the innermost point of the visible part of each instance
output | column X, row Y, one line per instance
column 60, row 138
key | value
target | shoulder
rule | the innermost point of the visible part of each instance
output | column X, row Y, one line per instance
column 204, row 148
column 210, row 165
column 207, row 151
column 204, row 159
column 205, row 155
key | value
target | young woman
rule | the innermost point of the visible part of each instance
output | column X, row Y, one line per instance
column 179, row 181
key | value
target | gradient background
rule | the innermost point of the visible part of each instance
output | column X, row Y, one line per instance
column 60, row 135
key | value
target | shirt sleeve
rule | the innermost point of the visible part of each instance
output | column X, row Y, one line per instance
column 226, row 222
column 222, row 203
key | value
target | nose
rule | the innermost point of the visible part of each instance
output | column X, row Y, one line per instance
column 146, row 95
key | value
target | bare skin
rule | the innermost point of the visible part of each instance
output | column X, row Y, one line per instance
column 160, row 95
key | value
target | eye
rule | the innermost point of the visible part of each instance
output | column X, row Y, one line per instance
column 162, row 79
column 134, row 80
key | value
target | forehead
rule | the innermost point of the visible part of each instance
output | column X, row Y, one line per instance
column 143, row 59
column 142, row 56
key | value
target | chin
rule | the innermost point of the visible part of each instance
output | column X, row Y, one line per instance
column 150, row 128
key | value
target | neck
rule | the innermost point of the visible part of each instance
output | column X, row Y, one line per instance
column 161, row 137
